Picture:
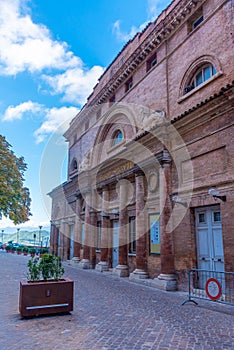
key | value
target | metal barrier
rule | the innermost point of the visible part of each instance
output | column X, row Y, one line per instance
column 210, row 285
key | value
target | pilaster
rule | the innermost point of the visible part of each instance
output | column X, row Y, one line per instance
column 122, row 269
column 167, row 279
column 141, row 262
column 103, row 263
column 77, row 232
column 93, row 238
column 85, row 262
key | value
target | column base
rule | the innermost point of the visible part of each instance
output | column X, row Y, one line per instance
column 102, row 266
column 84, row 264
column 75, row 260
column 166, row 282
column 121, row 271
column 138, row 274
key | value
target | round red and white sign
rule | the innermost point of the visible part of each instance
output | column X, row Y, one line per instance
column 213, row 289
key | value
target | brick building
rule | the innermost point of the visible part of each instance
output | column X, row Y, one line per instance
column 150, row 187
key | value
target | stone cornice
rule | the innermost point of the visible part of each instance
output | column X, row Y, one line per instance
column 160, row 32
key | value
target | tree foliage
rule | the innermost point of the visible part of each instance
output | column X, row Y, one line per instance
column 14, row 197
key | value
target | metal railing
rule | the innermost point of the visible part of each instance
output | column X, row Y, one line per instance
column 210, row 285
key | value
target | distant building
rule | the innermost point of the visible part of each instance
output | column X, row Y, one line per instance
column 150, row 187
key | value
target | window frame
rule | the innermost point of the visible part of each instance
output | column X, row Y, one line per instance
column 192, row 83
column 184, row 92
column 195, row 20
column 128, row 84
column 151, row 62
column 114, row 138
column 132, row 236
column 74, row 165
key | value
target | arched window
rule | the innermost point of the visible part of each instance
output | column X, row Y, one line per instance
column 202, row 74
column 74, row 165
column 117, row 137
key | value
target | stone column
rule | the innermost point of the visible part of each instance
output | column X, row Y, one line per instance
column 59, row 235
column 77, row 232
column 52, row 238
column 64, row 231
column 68, row 227
column 141, row 261
column 85, row 262
column 167, row 279
column 60, row 247
column 122, row 269
column 103, row 263
column 93, row 238
column 56, row 233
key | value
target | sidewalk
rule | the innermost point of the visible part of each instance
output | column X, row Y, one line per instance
column 112, row 313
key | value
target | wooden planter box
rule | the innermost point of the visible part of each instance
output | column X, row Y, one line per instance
column 43, row 298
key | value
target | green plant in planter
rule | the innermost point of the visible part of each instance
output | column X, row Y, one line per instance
column 19, row 249
column 25, row 249
column 33, row 270
column 8, row 247
column 45, row 292
column 49, row 267
column 32, row 250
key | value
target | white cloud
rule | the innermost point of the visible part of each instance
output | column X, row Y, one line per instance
column 28, row 46
column 123, row 36
column 10, row 227
column 154, row 8
column 75, row 84
column 56, row 120
column 13, row 113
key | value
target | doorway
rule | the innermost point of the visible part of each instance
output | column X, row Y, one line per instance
column 209, row 236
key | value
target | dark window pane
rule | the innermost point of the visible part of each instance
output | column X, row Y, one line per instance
column 207, row 73
column 217, row 216
column 213, row 70
column 201, row 218
column 199, row 78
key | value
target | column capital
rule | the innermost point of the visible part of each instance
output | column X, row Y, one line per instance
column 105, row 188
column 139, row 172
column 164, row 159
column 92, row 213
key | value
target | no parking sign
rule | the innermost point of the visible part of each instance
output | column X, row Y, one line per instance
column 213, row 289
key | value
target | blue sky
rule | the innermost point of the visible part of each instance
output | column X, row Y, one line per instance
column 51, row 55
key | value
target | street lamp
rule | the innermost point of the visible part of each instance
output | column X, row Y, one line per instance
column 40, row 241
column 18, row 235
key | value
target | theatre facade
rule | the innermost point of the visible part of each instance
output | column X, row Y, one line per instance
column 150, row 185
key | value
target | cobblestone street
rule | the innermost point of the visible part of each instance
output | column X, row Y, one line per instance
column 112, row 313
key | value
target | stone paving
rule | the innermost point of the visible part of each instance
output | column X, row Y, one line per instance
column 112, row 313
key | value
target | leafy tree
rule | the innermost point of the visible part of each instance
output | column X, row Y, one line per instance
column 14, row 197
